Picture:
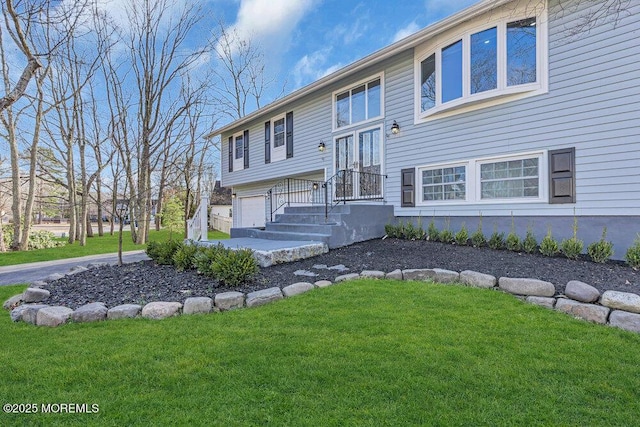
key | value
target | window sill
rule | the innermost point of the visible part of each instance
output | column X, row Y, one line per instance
column 478, row 101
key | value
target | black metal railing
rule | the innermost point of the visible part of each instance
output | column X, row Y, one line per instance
column 351, row 185
column 292, row 191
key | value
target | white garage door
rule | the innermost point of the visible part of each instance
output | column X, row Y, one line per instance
column 252, row 211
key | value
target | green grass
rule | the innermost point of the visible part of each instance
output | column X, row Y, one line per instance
column 95, row 245
column 367, row 353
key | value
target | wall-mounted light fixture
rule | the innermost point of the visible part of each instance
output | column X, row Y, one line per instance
column 322, row 147
column 234, row 195
column 315, row 186
column 395, row 128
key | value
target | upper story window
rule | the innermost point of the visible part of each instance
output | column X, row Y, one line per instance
column 499, row 61
column 358, row 103
column 239, row 147
column 278, row 138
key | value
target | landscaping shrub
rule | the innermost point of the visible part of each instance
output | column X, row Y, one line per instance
column 601, row 250
column 206, row 256
column 446, row 236
column 529, row 244
column 235, row 267
column 572, row 247
column 184, row 257
column 394, row 231
column 162, row 252
column 40, row 239
column 432, row 231
column 549, row 245
column 477, row 238
column 633, row 254
column 513, row 242
column 496, row 241
column 411, row 232
column 462, row 236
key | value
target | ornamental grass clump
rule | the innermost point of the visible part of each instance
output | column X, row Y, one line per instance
column 601, row 250
column 549, row 245
column 572, row 247
column 633, row 254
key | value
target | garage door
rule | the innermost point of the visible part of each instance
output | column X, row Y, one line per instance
column 252, row 211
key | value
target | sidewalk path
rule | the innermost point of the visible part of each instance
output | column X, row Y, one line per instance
column 29, row 273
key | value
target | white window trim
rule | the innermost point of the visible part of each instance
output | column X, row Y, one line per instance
column 278, row 153
column 238, row 164
column 504, row 93
column 418, row 187
column 334, row 126
column 473, row 193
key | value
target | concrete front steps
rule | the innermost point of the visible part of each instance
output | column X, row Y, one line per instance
column 346, row 224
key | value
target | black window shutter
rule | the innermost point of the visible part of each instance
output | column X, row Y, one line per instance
column 289, row 138
column 230, row 154
column 562, row 175
column 408, row 179
column 246, row 149
column 267, row 142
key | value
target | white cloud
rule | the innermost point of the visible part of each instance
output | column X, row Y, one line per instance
column 406, row 31
column 271, row 23
column 313, row 67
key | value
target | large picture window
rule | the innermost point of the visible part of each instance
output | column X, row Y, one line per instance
column 483, row 63
column 358, row 104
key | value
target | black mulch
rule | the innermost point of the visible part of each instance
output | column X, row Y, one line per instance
column 144, row 282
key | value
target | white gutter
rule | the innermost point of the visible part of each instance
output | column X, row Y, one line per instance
column 374, row 58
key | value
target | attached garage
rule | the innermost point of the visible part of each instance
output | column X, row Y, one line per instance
column 251, row 211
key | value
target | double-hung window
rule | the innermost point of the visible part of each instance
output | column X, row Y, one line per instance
column 499, row 61
column 359, row 103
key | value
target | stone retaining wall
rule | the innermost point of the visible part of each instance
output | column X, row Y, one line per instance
column 581, row 300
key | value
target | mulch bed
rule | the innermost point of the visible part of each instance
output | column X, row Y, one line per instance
column 144, row 282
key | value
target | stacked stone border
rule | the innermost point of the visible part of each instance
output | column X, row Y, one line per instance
column 581, row 300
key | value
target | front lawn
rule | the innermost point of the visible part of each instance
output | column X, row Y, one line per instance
column 359, row 353
column 95, row 245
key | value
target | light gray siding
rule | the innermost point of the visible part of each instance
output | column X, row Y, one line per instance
column 593, row 104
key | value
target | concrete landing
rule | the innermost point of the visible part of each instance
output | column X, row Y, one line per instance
column 270, row 252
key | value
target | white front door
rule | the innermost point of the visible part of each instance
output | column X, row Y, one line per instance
column 358, row 165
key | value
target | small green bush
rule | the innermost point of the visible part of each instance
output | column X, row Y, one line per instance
column 432, row 231
column 393, row 230
column 162, row 252
column 446, row 236
column 496, row 241
column 529, row 244
column 184, row 257
column 549, row 245
column 572, row 247
column 204, row 258
column 411, row 232
column 39, row 239
column 462, row 236
column 633, row 254
column 601, row 250
column 477, row 238
column 235, row 267
column 513, row 242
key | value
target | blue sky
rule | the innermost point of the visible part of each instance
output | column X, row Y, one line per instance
column 304, row 40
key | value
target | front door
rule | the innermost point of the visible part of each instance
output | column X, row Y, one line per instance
column 358, row 166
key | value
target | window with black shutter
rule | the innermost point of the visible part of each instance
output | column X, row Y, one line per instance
column 289, row 137
column 267, row 142
column 562, row 175
column 230, row 154
column 246, row 149
column 408, row 191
